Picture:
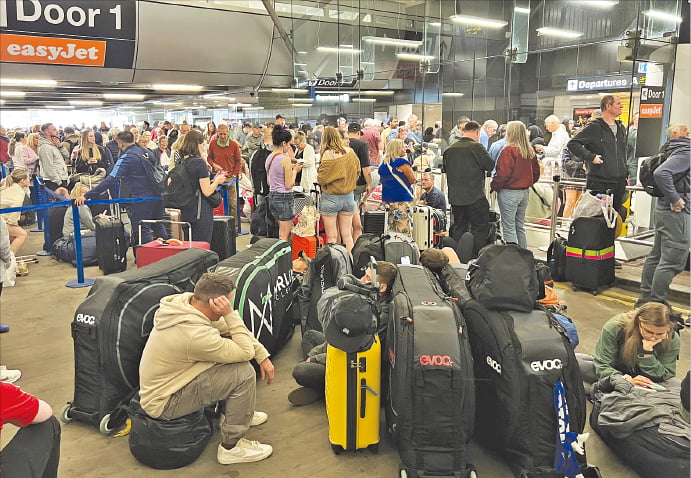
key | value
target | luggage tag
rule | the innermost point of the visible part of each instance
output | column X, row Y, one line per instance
column 405, row 260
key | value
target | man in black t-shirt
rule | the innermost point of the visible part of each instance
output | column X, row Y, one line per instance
column 363, row 188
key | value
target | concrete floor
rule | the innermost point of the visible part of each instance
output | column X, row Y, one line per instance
column 39, row 310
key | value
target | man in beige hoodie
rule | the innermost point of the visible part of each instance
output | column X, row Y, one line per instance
column 198, row 353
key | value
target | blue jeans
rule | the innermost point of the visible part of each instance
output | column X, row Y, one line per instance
column 668, row 255
column 512, row 206
column 146, row 210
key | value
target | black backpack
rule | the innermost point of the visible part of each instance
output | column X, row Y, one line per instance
column 179, row 191
column 556, row 258
column 260, row 179
column 647, row 177
column 263, row 223
column 504, row 277
column 155, row 172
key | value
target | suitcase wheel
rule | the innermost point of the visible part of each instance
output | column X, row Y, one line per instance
column 374, row 448
column 592, row 472
column 103, row 426
column 66, row 414
column 594, row 292
column 337, row 449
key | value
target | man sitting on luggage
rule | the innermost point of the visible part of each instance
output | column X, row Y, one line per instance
column 198, row 353
column 310, row 373
column 431, row 195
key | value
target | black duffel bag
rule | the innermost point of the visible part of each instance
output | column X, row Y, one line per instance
column 504, row 277
column 168, row 444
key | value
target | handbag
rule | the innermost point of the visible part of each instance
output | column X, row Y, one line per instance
column 215, row 199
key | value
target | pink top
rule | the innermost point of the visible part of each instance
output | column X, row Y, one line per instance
column 276, row 174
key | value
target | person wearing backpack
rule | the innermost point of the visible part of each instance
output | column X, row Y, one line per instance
column 671, row 246
column 192, row 169
column 131, row 168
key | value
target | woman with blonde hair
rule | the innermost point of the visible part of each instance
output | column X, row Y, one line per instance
column 337, row 175
column 397, row 178
column 517, row 170
column 91, row 156
column 642, row 345
column 13, row 195
column 29, row 156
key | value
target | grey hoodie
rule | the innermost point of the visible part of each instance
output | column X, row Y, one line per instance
column 52, row 161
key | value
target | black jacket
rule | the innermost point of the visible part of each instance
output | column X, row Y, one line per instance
column 597, row 138
column 466, row 164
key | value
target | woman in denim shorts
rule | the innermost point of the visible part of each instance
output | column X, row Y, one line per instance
column 281, row 172
column 337, row 176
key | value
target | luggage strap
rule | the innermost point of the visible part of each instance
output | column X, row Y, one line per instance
column 569, row 444
column 597, row 255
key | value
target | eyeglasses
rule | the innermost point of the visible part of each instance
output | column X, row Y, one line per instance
column 650, row 333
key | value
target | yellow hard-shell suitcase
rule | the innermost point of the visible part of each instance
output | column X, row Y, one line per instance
column 353, row 394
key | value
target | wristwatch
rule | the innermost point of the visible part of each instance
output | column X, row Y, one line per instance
column 645, row 353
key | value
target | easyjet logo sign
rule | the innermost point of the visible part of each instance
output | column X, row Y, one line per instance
column 651, row 111
column 57, row 51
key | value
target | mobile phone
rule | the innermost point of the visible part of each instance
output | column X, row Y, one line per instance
column 657, row 387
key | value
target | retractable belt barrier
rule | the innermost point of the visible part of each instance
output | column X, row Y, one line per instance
column 41, row 194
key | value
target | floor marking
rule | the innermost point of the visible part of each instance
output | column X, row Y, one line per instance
column 618, row 297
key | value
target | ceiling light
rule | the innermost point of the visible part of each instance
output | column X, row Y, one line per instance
column 521, row 10
column 300, row 105
column 23, row 82
column 333, row 49
column 435, row 24
column 344, row 45
column 254, row 108
column 86, row 103
column 59, row 107
column 598, row 3
column 375, row 93
column 136, row 107
column 364, row 100
column 305, row 100
column 238, row 105
column 166, row 103
column 218, row 97
column 450, row 93
column 302, row 52
column 557, row 32
column 12, row 94
column 123, row 96
column 367, row 63
column 414, row 56
column 479, row 21
column 300, row 64
column 393, row 41
column 165, row 86
column 289, row 90
column 663, row 15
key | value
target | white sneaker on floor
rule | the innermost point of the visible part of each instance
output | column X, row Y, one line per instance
column 245, row 451
column 11, row 376
column 258, row 418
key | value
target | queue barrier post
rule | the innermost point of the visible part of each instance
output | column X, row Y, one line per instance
column 39, row 196
column 238, row 217
column 555, row 207
column 225, row 194
column 81, row 281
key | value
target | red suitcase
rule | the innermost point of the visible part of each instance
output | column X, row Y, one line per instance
column 159, row 249
column 308, row 244
column 156, row 250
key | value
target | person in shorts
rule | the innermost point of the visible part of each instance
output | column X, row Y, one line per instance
column 281, row 170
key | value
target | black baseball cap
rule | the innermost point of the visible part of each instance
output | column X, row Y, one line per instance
column 354, row 127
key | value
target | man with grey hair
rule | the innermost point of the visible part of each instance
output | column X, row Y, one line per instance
column 671, row 247
column 553, row 150
column 488, row 129
column 602, row 145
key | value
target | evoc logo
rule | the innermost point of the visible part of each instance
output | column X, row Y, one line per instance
column 444, row 360
column 85, row 319
column 496, row 366
column 542, row 365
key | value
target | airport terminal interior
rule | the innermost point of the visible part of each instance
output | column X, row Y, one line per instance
column 437, row 64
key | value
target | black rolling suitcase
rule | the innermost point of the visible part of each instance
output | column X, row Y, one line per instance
column 590, row 254
column 331, row 263
column 223, row 238
column 431, row 392
column 374, row 222
column 524, row 366
column 263, row 278
column 111, row 244
column 111, row 326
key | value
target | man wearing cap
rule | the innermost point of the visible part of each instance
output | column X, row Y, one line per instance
column 254, row 139
column 311, row 372
column 224, row 155
column 363, row 188
column 241, row 135
column 199, row 353
column 280, row 121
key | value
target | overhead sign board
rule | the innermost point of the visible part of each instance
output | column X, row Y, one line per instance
column 603, row 83
column 69, row 32
column 331, row 83
column 650, row 120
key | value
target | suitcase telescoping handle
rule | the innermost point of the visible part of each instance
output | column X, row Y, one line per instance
column 166, row 221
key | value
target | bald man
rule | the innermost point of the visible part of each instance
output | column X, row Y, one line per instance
column 224, row 155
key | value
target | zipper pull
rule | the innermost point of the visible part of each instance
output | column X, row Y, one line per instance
column 369, row 389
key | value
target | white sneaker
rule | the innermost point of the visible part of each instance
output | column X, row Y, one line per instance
column 258, row 418
column 11, row 376
column 245, row 451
